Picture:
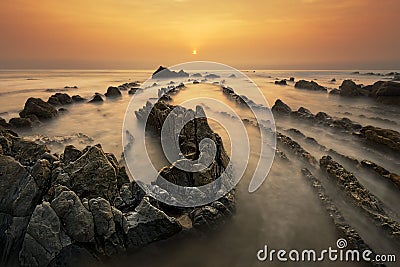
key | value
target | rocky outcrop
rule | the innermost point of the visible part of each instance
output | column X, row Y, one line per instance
column 350, row 88
column 113, row 91
column 393, row 177
column 164, row 73
column 321, row 118
column 212, row 76
column 360, row 196
column 295, row 148
column 309, row 85
column 60, row 99
column 281, row 82
column 77, row 219
column 281, row 108
column 92, row 175
column 38, row 108
column 352, row 236
column 77, row 98
column 20, row 123
column 97, row 98
column 385, row 137
column 148, row 224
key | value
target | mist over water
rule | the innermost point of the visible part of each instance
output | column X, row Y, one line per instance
column 285, row 213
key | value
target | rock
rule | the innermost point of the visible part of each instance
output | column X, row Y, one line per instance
column 163, row 73
column 387, row 92
column 44, row 238
column 19, row 192
column 393, row 177
column 12, row 231
column 333, row 80
column 281, row 108
column 350, row 88
column 27, row 152
column 197, row 75
column 291, row 79
column 103, row 217
column 4, row 124
column 62, row 110
column 96, row 98
column 21, row 123
column 148, row 224
column 281, row 82
column 113, row 92
column 295, row 148
column 60, row 99
column 396, row 77
column 309, row 85
column 71, row 153
column 93, row 175
column 39, row 108
column 196, row 82
column 133, row 90
column 334, row 92
column 78, row 98
column 212, row 76
column 77, row 220
column 386, row 137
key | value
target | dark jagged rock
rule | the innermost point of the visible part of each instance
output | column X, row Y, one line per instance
column 60, row 99
column 148, row 224
column 309, row 85
column 393, row 177
column 77, row 98
column 361, row 196
column 350, row 88
column 396, row 77
column 333, row 80
column 44, row 237
column 291, row 79
column 113, row 92
column 20, row 123
column 281, row 108
column 93, row 175
column 164, row 73
column 71, row 153
column 77, row 220
column 386, row 137
column 281, row 82
column 387, row 92
column 39, row 108
column 97, row 98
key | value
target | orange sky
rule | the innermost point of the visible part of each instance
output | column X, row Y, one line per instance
column 269, row 34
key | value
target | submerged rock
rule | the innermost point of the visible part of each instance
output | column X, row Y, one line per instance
column 39, row 108
column 21, row 123
column 78, row 98
column 309, row 85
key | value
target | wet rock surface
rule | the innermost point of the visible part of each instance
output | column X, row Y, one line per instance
column 385, row 137
column 38, row 108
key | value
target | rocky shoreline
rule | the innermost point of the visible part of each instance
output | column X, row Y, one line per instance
column 80, row 207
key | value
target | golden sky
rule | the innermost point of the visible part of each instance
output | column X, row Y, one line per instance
column 263, row 34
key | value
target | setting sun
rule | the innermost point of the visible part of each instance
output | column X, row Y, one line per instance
column 194, row 52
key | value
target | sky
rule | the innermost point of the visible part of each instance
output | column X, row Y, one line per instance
column 251, row 34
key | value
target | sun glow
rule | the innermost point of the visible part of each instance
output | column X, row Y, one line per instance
column 194, row 52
